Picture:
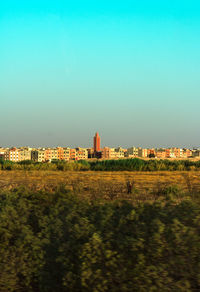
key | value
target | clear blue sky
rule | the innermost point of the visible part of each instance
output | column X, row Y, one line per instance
column 128, row 69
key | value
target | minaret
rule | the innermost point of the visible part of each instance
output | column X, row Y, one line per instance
column 97, row 143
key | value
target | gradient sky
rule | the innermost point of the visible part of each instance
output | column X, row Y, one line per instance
column 128, row 69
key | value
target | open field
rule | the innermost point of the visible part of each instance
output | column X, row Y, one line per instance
column 105, row 184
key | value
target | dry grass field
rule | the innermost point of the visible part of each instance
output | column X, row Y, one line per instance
column 102, row 184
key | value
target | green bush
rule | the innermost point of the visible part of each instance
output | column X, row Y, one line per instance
column 57, row 242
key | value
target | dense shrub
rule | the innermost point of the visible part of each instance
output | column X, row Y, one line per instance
column 57, row 242
column 135, row 164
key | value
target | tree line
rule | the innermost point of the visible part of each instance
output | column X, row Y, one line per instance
column 135, row 164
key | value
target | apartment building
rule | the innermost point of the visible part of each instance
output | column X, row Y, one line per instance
column 81, row 153
column 132, row 152
column 73, row 154
column 13, row 154
column 51, row 154
column 54, row 154
column 105, row 153
column 160, row 153
column 2, row 152
column 78, row 154
column 90, row 152
column 109, row 153
column 151, row 152
column 64, row 154
column 25, row 153
column 174, row 152
column 142, row 152
column 119, row 152
column 38, row 155
column 187, row 153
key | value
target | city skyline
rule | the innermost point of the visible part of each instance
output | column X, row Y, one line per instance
column 49, row 154
column 68, row 154
column 127, row 68
column 96, row 144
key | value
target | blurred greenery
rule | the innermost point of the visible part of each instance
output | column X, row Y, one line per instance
column 59, row 242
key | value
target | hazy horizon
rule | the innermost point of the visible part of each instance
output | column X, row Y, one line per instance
column 127, row 69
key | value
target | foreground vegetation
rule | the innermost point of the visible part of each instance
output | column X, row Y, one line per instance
column 61, row 242
column 135, row 164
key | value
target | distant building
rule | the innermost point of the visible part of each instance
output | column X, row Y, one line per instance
column 13, row 154
column 112, row 153
column 175, row 152
column 73, row 154
column 25, row 153
column 119, row 152
column 187, row 153
column 151, row 153
column 78, row 154
column 142, row 152
column 51, row 154
column 132, row 152
column 160, row 153
column 90, row 152
column 38, row 155
column 2, row 152
column 63, row 153
column 81, row 153
column 97, row 143
column 108, row 153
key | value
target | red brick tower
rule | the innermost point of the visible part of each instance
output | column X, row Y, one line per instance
column 97, row 142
